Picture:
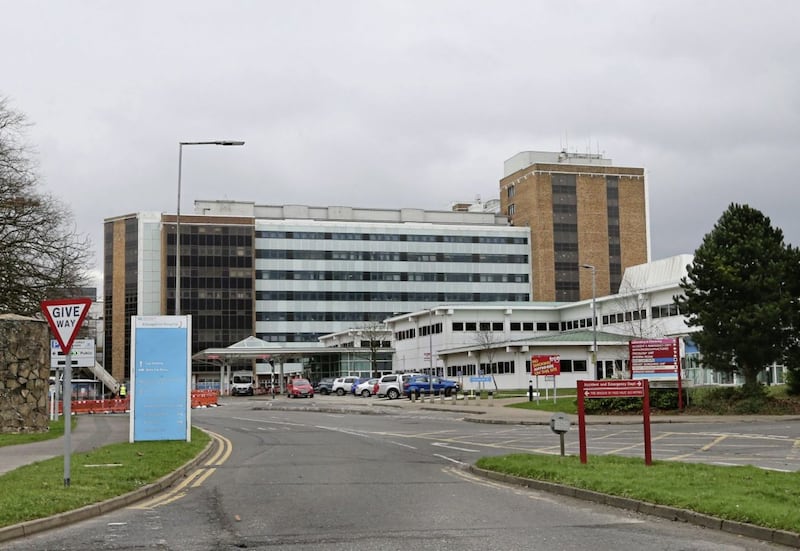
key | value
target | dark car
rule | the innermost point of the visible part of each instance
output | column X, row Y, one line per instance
column 422, row 384
column 324, row 385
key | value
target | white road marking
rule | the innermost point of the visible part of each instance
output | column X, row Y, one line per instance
column 449, row 447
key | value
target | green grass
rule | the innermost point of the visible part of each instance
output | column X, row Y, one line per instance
column 745, row 494
column 56, row 430
column 563, row 404
column 38, row 491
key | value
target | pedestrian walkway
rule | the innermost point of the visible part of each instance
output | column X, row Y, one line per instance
column 91, row 432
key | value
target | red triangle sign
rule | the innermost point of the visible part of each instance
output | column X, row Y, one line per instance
column 65, row 317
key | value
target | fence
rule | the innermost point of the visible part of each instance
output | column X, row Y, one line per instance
column 200, row 399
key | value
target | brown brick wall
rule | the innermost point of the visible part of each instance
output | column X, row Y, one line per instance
column 533, row 207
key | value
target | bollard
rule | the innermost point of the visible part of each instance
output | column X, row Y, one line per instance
column 491, row 399
column 413, row 397
column 455, row 397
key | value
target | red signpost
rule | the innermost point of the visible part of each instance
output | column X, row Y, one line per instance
column 615, row 388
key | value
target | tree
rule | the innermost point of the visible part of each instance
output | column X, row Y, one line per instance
column 41, row 254
column 736, row 291
column 488, row 341
column 374, row 336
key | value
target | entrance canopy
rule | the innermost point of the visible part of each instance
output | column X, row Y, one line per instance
column 253, row 348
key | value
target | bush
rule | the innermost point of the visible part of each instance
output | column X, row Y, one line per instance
column 793, row 382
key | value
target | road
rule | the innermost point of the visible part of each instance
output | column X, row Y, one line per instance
column 308, row 480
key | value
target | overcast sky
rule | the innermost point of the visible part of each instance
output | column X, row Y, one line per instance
column 394, row 104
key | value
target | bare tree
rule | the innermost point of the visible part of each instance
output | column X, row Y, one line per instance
column 374, row 336
column 487, row 340
column 41, row 254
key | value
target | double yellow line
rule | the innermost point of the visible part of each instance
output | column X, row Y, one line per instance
column 195, row 478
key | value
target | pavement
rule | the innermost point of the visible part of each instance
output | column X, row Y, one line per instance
column 94, row 431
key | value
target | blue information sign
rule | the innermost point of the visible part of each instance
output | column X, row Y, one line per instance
column 480, row 379
column 160, row 378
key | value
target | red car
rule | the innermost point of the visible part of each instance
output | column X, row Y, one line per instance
column 299, row 388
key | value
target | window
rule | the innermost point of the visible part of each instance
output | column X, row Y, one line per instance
column 512, row 209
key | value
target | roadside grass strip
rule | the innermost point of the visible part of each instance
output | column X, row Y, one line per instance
column 747, row 494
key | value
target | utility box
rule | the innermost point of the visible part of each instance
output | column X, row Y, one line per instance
column 559, row 423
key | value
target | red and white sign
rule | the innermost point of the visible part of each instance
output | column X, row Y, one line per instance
column 613, row 388
column 546, row 365
column 654, row 358
column 65, row 317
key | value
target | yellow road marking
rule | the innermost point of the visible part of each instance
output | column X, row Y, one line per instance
column 195, row 478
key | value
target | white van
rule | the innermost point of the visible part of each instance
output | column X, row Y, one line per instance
column 242, row 383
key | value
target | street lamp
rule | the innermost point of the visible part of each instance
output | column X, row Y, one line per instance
column 594, row 310
column 430, row 352
column 178, row 217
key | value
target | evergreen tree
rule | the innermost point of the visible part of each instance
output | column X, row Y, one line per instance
column 739, row 290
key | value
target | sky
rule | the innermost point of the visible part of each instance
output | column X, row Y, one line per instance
column 407, row 103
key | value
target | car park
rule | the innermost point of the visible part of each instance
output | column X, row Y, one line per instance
column 391, row 385
column 425, row 384
column 365, row 388
column 343, row 385
column 299, row 388
column 324, row 386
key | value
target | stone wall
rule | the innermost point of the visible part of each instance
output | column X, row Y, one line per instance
column 24, row 374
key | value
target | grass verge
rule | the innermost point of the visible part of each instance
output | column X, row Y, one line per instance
column 745, row 494
column 56, row 430
column 563, row 404
column 38, row 491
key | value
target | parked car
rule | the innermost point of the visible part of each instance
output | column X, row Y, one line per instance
column 324, row 385
column 391, row 385
column 343, row 385
column 299, row 388
column 424, row 384
column 365, row 388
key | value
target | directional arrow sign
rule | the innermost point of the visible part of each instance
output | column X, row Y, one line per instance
column 65, row 317
column 614, row 388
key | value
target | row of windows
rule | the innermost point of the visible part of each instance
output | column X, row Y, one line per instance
column 665, row 311
column 290, row 337
column 340, row 236
column 389, row 256
column 328, row 275
column 322, row 316
column 492, row 326
column 391, row 296
column 433, row 329
column 621, row 317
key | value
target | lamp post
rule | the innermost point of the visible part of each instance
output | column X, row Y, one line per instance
column 178, row 216
column 594, row 311
column 430, row 352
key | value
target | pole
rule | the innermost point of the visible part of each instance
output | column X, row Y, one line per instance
column 594, row 311
column 178, row 236
column 430, row 351
column 178, row 216
column 67, row 417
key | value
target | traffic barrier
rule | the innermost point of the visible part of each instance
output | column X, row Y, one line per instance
column 204, row 398
column 200, row 398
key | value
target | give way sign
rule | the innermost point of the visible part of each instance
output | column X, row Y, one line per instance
column 65, row 317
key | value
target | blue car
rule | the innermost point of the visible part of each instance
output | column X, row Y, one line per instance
column 421, row 384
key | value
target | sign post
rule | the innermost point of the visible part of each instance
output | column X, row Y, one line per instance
column 615, row 388
column 65, row 317
column 549, row 366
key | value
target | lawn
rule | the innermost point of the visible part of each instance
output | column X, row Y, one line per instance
column 745, row 494
column 38, row 491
